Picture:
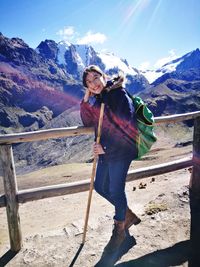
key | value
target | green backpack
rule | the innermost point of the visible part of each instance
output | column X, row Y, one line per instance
column 145, row 124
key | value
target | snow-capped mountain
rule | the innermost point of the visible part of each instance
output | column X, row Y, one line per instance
column 177, row 66
column 85, row 55
column 67, row 55
column 177, row 89
column 42, row 88
column 169, row 67
column 73, row 58
column 47, row 80
column 29, row 75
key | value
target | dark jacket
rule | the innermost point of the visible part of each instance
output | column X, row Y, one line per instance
column 119, row 130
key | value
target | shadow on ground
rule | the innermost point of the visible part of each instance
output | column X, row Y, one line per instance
column 109, row 259
column 76, row 255
column 7, row 257
column 172, row 256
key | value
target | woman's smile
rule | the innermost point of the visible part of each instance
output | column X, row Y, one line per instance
column 95, row 82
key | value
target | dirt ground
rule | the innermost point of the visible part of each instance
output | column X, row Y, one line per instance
column 52, row 228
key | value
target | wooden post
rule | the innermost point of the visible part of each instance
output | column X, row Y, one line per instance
column 10, row 188
column 195, row 197
column 195, row 177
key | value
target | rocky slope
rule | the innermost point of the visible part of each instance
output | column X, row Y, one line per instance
column 52, row 152
column 173, row 96
column 48, row 78
column 30, row 85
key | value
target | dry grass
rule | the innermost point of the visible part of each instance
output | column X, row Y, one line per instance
column 53, row 175
column 154, row 208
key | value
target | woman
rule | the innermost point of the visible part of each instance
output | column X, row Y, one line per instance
column 117, row 146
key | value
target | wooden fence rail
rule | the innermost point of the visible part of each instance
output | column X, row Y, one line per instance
column 27, row 195
column 79, row 130
column 13, row 197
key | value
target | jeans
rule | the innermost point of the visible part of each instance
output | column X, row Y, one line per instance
column 110, row 183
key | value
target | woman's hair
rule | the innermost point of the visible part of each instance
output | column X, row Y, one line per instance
column 114, row 82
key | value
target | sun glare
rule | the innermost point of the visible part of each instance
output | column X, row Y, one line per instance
column 153, row 16
column 134, row 10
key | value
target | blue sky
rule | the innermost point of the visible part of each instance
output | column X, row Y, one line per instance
column 147, row 33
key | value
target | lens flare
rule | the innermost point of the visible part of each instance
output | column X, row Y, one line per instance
column 153, row 16
column 134, row 10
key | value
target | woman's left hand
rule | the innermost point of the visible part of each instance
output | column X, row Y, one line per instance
column 98, row 149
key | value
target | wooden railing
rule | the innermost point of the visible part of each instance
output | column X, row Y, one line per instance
column 12, row 196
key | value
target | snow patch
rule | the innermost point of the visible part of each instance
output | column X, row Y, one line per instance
column 111, row 61
column 151, row 75
column 84, row 52
column 63, row 46
column 171, row 66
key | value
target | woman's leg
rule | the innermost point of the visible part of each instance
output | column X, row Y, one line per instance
column 117, row 173
column 101, row 183
column 117, row 179
column 110, row 183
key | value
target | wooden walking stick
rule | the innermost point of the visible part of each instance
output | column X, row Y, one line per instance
column 93, row 173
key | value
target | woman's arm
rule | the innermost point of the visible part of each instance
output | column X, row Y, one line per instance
column 86, row 114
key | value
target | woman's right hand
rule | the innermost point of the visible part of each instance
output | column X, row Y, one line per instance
column 87, row 95
column 98, row 149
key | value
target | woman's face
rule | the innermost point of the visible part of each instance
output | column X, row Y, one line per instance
column 95, row 82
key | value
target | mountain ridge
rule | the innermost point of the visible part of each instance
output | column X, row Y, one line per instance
column 188, row 61
column 33, row 79
column 42, row 89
